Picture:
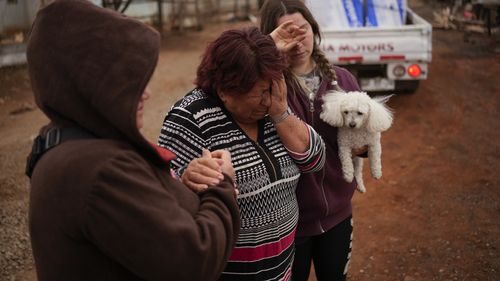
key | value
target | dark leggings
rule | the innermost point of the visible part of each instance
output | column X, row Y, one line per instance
column 330, row 253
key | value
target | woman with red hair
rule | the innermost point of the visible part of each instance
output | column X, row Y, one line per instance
column 240, row 105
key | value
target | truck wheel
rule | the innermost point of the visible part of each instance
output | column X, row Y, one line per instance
column 407, row 86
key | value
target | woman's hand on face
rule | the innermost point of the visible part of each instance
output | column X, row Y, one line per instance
column 279, row 103
column 287, row 36
column 204, row 171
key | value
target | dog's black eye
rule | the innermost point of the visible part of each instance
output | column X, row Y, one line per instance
column 345, row 112
column 360, row 113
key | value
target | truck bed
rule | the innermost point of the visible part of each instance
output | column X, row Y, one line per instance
column 368, row 45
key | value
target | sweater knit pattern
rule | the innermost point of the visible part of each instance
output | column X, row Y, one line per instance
column 265, row 175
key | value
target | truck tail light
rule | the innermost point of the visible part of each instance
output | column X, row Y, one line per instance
column 414, row 70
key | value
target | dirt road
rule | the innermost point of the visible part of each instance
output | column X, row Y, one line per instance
column 435, row 214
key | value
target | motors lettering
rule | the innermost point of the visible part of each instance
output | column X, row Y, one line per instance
column 347, row 48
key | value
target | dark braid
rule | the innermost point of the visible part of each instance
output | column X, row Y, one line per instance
column 324, row 66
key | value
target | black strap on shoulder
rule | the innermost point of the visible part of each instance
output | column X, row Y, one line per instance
column 53, row 137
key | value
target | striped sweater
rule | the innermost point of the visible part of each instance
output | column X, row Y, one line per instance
column 266, row 176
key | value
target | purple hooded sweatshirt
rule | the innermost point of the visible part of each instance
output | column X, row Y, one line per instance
column 324, row 197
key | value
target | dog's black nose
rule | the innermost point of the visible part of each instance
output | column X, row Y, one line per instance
column 352, row 125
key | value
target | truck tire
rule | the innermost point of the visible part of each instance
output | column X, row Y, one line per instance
column 407, row 86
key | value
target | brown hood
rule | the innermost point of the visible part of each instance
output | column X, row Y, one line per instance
column 89, row 66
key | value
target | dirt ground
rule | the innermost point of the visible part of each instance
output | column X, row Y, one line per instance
column 435, row 214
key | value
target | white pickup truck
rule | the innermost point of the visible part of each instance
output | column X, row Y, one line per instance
column 383, row 58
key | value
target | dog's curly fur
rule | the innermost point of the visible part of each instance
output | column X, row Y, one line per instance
column 360, row 120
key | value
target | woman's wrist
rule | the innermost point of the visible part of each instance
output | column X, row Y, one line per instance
column 280, row 118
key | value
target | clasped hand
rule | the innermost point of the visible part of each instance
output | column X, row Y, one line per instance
column 208, row 170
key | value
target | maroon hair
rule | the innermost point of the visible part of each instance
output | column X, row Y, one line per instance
column 237, row 59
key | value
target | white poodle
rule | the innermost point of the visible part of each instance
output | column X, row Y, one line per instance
column 360, row 120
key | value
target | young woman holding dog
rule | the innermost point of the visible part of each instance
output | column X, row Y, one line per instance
column 324, row 231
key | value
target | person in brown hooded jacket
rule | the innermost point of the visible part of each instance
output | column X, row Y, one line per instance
column 103, row 205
